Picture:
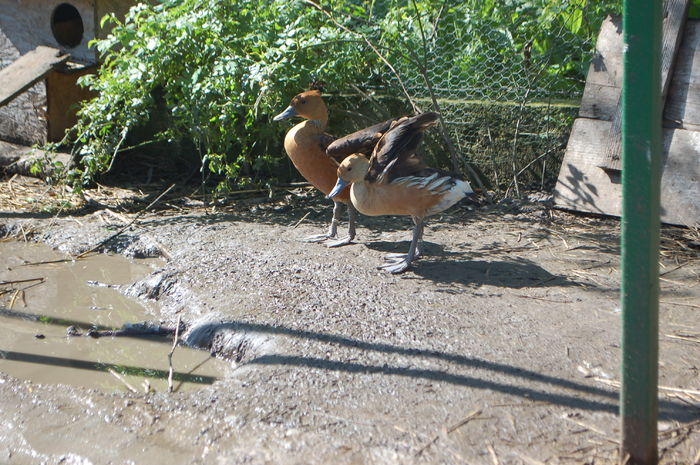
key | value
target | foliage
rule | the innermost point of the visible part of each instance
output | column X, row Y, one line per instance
column 475, row 44
column 213, row 72
column 694, row 9
column 219, row 69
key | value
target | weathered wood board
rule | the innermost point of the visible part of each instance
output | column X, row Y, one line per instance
column 675, row 13
column 27, row 71
column 602, row 92
column 584, row 186
column 682, row 109
column 63, row 96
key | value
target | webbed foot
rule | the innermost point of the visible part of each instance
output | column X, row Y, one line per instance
column 395, row 267
column 318, row 238
column 396, row 257
column 339, row 242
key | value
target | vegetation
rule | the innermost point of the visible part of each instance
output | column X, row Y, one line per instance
column 210, row 74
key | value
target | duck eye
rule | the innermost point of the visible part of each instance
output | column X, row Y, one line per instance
column 350, row 168
column 303, row 102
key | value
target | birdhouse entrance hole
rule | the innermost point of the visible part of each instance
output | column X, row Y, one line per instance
column 67, row 25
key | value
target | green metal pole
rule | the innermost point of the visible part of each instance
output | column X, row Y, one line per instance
column 641, row 168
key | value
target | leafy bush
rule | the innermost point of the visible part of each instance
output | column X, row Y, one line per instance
column 212, row 72
column 221, row 68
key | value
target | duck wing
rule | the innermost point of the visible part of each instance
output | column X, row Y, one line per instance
column 325, row 140
column 362, row 141
column 395, row 154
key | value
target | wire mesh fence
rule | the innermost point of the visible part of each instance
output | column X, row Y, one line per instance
column 507, row 82
column 509, row 119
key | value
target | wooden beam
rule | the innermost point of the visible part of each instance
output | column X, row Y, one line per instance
column 675, row 14
column 583, row 186
column 27, row 70
column 601, row 96
column 682, row 109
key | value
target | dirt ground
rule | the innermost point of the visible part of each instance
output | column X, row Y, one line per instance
column 500, row 346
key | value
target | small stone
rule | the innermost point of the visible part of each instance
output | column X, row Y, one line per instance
column 72, row 331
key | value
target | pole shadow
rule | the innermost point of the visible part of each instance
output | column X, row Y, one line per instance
column 579, row 397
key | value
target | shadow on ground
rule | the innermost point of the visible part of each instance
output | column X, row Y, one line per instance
column 528, row 384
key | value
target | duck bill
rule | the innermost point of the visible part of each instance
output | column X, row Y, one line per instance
column 339, row 186
column 288, row 113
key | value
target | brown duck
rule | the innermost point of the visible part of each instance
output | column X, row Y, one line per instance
column 395, row 181
column 317, row 154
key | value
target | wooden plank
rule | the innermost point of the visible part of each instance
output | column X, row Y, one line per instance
column 682, row 109
column 675, row 14
column 612, row 159
column 27, row 71
column 604, row 81
column 583, row 186
column 63, row 96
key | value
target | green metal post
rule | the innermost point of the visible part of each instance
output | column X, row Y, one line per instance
column 641, row 168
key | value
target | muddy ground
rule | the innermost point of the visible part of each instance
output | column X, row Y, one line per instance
column 501, row 345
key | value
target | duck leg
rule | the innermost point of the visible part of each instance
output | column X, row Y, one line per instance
column 401, row 265
column 332, row 230
column 395, row 257
column 352, row 217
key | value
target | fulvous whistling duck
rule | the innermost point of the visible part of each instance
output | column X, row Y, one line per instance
column 316, row 155
column 395, row 181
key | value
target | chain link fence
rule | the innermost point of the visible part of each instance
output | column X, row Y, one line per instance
column 510, row 119
column 507, row 93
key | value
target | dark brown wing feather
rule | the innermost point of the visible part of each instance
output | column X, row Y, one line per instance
column 362, row 141
column 395, row 154
column 411, row 166
column 325, row 140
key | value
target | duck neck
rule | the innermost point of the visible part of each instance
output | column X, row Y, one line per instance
column 320, row 118
column 359, row 195
column 320, row 124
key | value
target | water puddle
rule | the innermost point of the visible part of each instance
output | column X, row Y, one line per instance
column 39, row 302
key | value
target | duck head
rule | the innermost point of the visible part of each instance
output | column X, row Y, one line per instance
column 308, row 105
column 353, row 169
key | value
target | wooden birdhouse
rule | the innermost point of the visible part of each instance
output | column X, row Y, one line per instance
column 44, row 49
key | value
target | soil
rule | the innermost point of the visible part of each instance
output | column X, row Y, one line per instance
column 501, row 345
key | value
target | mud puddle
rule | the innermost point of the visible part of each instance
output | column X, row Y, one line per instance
column 40, row 301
